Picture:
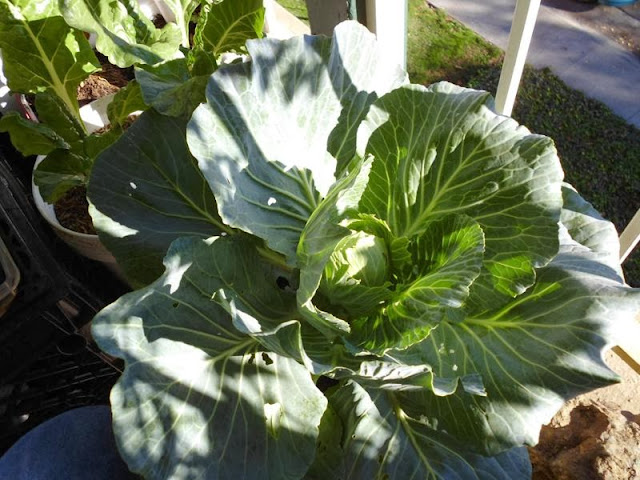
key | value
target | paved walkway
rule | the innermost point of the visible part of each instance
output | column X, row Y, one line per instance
column 578, row 53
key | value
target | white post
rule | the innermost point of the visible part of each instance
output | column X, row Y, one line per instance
column 524, row 19
column 629, row 347
column 388, row 20
column 630, row 237
column 280, row 23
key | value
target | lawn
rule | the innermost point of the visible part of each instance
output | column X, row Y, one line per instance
column 297, row 7
column 599, row 151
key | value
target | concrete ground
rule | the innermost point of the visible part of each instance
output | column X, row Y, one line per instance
column 592, row 48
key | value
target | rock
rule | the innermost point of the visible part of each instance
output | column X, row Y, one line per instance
column 597, row 442
column 594, row 436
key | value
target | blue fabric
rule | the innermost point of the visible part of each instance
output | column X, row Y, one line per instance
column 76, row 445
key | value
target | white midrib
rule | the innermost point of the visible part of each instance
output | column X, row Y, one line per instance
column 58, row 86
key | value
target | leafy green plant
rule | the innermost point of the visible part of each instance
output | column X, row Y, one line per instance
column 46, row 53
column 362, row 278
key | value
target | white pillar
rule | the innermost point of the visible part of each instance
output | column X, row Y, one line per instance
column 388, row 20
column 630, row 237
column 629, row 347
column 524, row 20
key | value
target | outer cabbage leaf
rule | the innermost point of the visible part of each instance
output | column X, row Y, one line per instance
column 261, row 139
column 380, row 440
column 441, row 151
column 146, row 190
column 40, row 52
column 123, row 33
column 587, row 227
column 199, row 397
column 533, row 354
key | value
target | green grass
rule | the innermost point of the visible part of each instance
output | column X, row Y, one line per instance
column 296, row 7
column 441, row 49
column 599, row 151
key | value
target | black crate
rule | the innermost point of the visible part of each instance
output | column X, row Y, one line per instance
column 53, row 384
column 53, row 366
column 48, row 361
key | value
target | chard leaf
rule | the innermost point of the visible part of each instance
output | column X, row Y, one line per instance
column 261, row 139
column 34, row 10
column 183, row 11
column 380, row 440
column 216, row 404
column 227, row 25
column 52, row 111
column 533, row 354
column 201, row 62
column 95, row 143
column 59, row 172
column 447, row 258
column 29, row 137
column 146, row 190
column 123, row 33
column 169, row 87
column 40, row 52
column 441, row 151
column 126, row 101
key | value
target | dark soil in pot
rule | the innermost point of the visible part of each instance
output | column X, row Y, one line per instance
column 72, row 211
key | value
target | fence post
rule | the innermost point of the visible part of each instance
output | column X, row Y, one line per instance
column 524, row 20
column 388, row 20
column 629, row 347
column 630, row 237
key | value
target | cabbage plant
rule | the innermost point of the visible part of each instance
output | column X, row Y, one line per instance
column 343, row 275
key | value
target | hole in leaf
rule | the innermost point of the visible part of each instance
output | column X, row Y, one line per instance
column 175, row 304
column 324, row 383
column 266, row 359
column 282, row 283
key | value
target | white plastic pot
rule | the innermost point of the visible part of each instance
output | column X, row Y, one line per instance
column 85, row 244
column 94, row 116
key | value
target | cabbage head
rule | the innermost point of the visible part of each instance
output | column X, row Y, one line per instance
column 342, row 275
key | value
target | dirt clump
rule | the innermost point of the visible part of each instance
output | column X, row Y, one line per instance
column 108, row 80
column 588, row 441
